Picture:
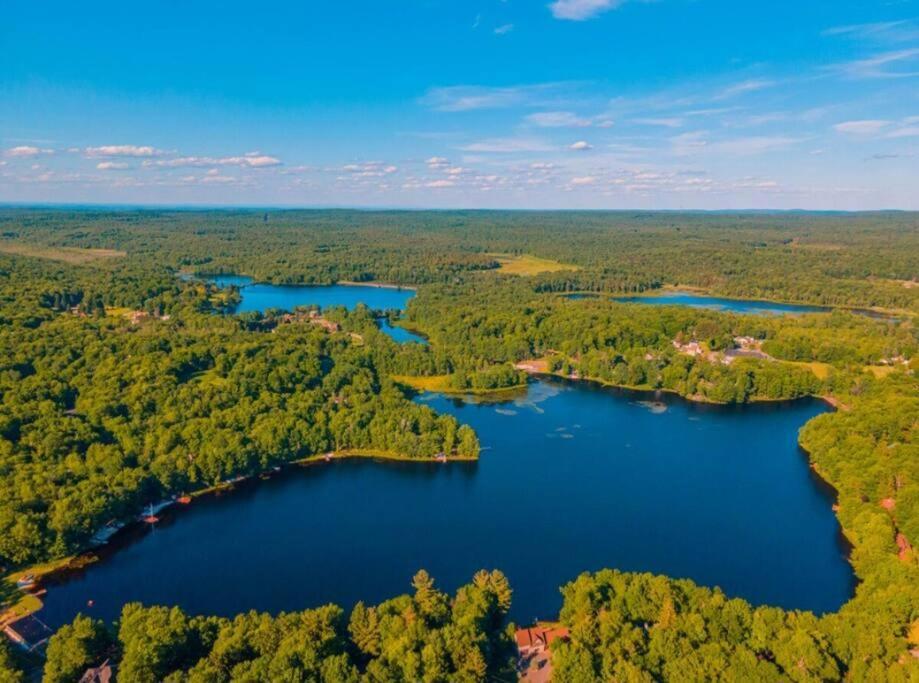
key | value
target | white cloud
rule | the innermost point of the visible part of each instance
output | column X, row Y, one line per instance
column 580, row 181
column 863, row 127
column 893, row 64
column 904, row 132
column 363, row 170
column 503, row 30
column 507, row 145
column 579, row 10
column 558, row 119
column 473, row 97
column 754, row 145
column 26, row 151
column 671, row 122
column 111, row 165
column 904, row 30
column 743, row 88
column 440, row 183
column 122, row 151
column 581, row 146
column 249, row 160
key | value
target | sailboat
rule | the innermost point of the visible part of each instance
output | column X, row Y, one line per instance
column 150, row 518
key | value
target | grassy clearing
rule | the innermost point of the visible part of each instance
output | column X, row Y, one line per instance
column 72, row 255
column 880, row 371
column 820, row 370
column 529, row 265
column 438, row 383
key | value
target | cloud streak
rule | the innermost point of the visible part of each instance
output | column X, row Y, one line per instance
column 581, row 10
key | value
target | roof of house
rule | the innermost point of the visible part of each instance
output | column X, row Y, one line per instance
column 538, row 636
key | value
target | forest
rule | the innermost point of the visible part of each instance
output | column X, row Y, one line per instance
column 124, row 378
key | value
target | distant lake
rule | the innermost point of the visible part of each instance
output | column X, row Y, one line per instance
column 721, row 304
column 716, row 303
column 572, row 478
column 262, row 296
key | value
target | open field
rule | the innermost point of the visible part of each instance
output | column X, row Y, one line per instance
column 71, row 255
column 820, row 370
column 529, row 265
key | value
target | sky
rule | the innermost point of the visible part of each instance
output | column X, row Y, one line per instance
column 531, row 104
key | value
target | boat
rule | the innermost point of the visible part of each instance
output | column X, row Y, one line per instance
column 150, row 516
column 183, row 500
column 25, row 581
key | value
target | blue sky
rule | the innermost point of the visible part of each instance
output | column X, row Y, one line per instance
column 703, row 104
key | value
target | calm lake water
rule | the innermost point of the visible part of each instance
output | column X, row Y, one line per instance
column 572, row 478
column 720, row 304
column 261, row 296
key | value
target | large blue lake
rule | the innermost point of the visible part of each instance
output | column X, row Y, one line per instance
column 262, row 296
column 572, row 478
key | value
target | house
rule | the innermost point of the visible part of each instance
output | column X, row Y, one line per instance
column 692, row 348
column 538, row 638
column 534, row 663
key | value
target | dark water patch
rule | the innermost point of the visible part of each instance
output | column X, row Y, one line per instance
column 572, row 478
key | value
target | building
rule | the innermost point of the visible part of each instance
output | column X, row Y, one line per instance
column 538, row 638
column 534, row 663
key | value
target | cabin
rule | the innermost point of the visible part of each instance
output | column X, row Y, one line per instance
column 534, row 639
column 692, row 348
column 534, row 662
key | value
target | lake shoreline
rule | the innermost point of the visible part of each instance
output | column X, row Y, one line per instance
column 30, row 603
column 874, row 312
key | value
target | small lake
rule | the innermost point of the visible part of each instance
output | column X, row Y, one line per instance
column 262, row 296
column 721, row 304
column 572, row 477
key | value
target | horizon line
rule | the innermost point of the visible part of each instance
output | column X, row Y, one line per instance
column 394, row 208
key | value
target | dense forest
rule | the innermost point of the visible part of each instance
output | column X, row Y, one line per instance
column 124, row 379
column 425, row 636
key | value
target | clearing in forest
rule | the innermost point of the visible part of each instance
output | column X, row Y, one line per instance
column 72, row 255
column 525, row 264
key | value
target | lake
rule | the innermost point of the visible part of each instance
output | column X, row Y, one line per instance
column 721, row 304
column 262, row 296
column 572, row 477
